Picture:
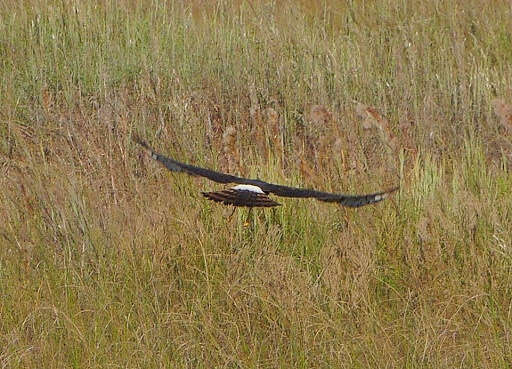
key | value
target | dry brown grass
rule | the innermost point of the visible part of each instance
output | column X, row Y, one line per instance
column 107, row 260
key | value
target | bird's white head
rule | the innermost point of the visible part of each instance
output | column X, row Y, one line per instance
column 250, row 188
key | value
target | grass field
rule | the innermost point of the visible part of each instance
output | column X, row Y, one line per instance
column 107, row 260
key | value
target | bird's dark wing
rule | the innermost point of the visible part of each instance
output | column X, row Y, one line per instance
column 353, row 201
column 176, row 166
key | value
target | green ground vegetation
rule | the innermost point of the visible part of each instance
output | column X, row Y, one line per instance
column 107, row 260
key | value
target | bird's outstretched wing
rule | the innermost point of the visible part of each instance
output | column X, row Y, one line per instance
column 353, row 201
column 176, row 166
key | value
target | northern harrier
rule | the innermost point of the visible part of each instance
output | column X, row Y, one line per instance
column 254, row 192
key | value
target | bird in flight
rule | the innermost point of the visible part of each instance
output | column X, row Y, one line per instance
column 255, row 192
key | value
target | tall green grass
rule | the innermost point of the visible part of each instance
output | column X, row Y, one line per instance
column 107, row 260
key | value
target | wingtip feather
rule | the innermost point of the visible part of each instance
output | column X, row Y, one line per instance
column 385, row 194
column 394, row 189
column 138, row 140
column 390, row 191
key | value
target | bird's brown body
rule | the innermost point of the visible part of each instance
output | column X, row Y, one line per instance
column 241, row 198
